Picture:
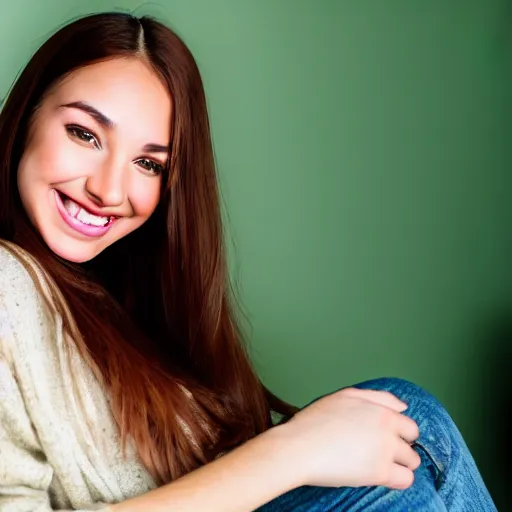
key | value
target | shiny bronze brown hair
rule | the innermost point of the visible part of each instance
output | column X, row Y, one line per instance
column 152, row 314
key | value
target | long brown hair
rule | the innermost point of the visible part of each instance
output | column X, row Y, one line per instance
column 152, row 314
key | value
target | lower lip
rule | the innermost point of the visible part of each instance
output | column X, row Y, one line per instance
column 84, row 229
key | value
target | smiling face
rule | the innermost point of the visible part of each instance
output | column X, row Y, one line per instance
column 97, row 148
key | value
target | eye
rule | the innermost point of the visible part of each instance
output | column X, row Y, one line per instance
column 83, row 135
column 150, row 166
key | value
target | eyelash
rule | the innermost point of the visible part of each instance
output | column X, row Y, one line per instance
column 155, row 167
column 86, row 136
column 78, row 133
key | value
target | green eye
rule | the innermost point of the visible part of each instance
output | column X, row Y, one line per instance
column 150, row 166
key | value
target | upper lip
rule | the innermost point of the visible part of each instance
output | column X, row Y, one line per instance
column 90, row 209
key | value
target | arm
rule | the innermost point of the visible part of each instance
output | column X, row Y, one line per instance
column 240, row 481
column 350, row 438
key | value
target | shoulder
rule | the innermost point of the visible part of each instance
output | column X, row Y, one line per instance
column 24, row 313
column 18, row 275
column 9, row 263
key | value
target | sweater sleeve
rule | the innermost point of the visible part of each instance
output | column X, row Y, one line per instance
column 25, row 474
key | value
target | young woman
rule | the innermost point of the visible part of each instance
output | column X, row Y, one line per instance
column 124, row 385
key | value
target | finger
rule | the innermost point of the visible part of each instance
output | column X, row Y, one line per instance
column 383, row 398
column 400, row 477
column 406, row 455
column 408, row 429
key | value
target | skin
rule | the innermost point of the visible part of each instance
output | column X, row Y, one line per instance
column 106, row 168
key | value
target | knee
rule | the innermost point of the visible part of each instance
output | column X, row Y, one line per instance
column 440, row 439
column 423, row 407
column 407, row 391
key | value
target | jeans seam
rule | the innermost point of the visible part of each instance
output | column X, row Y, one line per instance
column 438, row 474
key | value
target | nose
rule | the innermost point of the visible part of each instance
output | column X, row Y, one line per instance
column 107, row 186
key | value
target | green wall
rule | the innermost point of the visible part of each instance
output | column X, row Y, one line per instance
column 363, row 153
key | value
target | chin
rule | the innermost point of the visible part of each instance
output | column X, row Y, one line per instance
column 73, row 250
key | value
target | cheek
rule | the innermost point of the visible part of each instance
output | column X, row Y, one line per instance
column 32, row 176
column 50, row 160
column 145, row 195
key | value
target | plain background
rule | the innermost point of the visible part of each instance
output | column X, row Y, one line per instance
column 363, row 151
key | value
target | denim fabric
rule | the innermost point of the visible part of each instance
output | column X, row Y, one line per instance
column 447, row 480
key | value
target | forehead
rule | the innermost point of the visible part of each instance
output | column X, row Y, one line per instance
column 128, row 91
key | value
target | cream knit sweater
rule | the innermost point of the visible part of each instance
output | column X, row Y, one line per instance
column 59, row 447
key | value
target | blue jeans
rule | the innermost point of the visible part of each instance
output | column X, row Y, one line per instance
column 447, row 478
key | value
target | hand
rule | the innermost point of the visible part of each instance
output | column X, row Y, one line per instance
column 353, row 438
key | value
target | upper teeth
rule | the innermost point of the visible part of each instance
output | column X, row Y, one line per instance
column 84, row 216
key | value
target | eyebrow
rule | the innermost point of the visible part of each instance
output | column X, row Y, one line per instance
column 156, row 148
column 107, row 123
column 100, row 118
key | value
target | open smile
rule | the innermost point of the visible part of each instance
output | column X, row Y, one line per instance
column 81, row 219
